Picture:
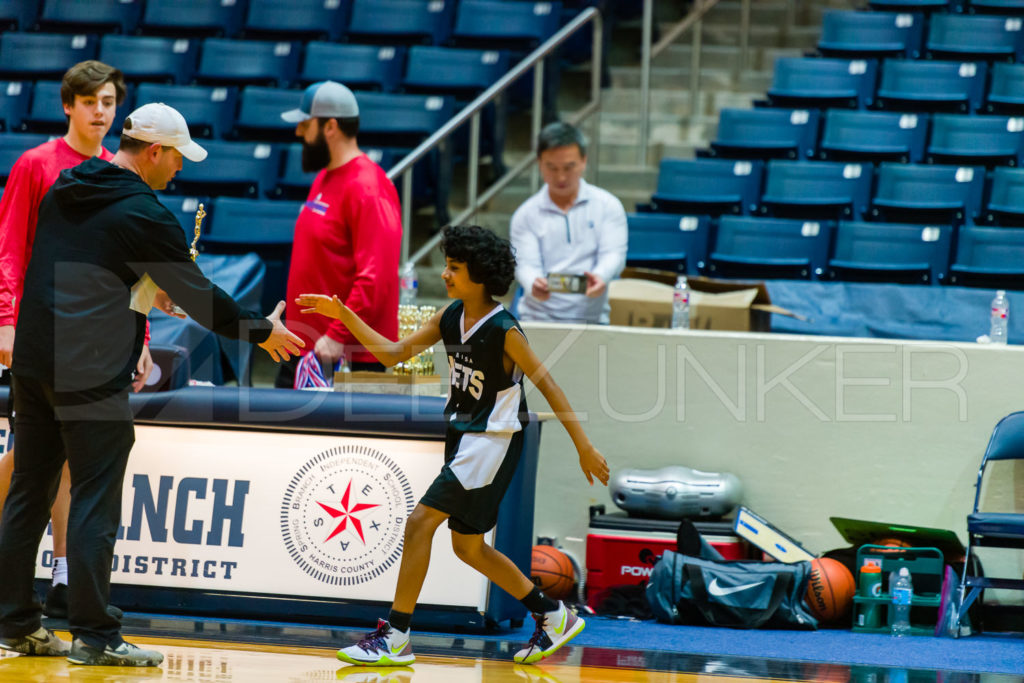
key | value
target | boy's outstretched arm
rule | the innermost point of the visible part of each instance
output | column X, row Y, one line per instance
column 518, row 349
column 383, row 349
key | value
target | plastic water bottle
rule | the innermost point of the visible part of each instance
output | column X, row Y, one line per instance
column 902, row 590
column 681, row 304
column 409, row 284
column 1000, row 318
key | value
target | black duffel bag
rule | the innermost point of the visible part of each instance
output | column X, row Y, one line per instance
column 738, row 593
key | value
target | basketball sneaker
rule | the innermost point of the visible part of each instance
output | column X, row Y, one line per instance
column 42, row 643
column 384, row 647
column 554, row 629
column 124, row 654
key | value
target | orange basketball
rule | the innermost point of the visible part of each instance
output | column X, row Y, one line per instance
column 830, row 589
column 552, row 572
column 892, row 543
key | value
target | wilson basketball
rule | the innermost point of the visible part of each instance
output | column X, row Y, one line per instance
column 891, row 542
column 552, row 572
column 830, row 589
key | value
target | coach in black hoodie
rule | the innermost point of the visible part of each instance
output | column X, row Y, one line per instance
column 101, row 232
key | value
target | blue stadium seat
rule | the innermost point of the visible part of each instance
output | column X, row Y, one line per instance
column 401, row 21
column 668, row 241
column 184, row 209
column 766, row 133
column 909, row 5
column 231, row 62
column 808, row 82
column 873, row 136
column 238, row 169
column 756, row 247
column 816, row 189
column 43, row 55
column 513, row 25
column 294, row 183
column 46, row 114
column 1004, row 7
column 867, row 35
column 209, row 110
column 1006, row 200
column 14, row 100
column 259, row 114
column 18, row 15
column 992, row 258
column 913, row 192
column 957, row 36
column 91, row 16
column 397, row 120
column 707, row 186
column 1006, row 93
column 359, row 67
column 984, row 140
column 12, row 146
column 147, row 58
column 192, row 18
column 297, row 19
column 457, row 71
column 908, row 85
column 891, row 252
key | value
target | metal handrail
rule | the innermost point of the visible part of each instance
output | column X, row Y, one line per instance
column 471, row 111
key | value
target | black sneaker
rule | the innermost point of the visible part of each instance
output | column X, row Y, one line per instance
column 42, row 643
column 124, row 654
column 56, row 603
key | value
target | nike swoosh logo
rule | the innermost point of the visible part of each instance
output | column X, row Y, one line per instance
column 398, row 650
column 719, row 591
column 561, row 627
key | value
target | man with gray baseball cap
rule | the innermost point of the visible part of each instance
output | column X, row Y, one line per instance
column 348, row 235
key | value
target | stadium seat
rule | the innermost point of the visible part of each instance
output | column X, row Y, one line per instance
column 890, row 252
column 43, row 55
column 12, row 146
column 453, row 70
column 914, row 192
column 401, row 21
column 992, row 258
column 1004, row 7
column 238, row 169
column 668, row 241
column 46, row 113
column 1006, row 200
column 766, row 133
column 1006, row 93
column 359, row 67
column 956, row 36
column 401, row 120
column 231, row 62
column 142, row 58
column 756, row 247
column 209, row 110
column 909, row 5
column 868, row 35
column 184, row 209
column 14, row 100
column 908, row 85
column 259, row 114
column 297, row 19
column 981, row 140
column 499, row 24
column 707, row 186
column 816, row 189
column 809, row 82
column 294, row 183
column 192, row 18
column 873, row 136
column 94, row 16
column 18, row 15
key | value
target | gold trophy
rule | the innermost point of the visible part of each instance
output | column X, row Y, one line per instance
column 193, row 251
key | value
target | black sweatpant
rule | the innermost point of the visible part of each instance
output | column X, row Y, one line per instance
column 93, row 430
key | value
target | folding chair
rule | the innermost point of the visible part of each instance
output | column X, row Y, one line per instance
column 992, row 529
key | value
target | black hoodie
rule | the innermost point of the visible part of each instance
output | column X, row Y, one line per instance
column 100, row 229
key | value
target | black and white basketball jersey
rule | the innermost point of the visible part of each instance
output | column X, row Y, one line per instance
column 482, row 397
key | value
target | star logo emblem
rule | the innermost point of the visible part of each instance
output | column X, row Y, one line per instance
column 346, row 513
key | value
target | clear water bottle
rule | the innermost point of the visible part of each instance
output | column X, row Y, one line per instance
column 902, row 590
column 1000, row 318
column 409, row 284
column 681, row 304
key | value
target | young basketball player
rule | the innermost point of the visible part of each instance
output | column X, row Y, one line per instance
column 488, row 356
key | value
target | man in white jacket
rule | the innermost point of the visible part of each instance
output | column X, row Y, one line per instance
column 569, row 238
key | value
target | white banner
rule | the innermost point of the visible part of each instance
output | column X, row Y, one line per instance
column 278, row 513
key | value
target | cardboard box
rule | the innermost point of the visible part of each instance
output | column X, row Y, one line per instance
column 643, row 298
column 387, row 383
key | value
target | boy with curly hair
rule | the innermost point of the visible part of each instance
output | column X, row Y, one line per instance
column 488, row 356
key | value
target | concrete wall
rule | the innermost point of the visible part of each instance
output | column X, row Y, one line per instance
column 814, row 427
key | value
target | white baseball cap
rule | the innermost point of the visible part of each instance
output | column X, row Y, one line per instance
column 157, row 122
column 326, row 99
